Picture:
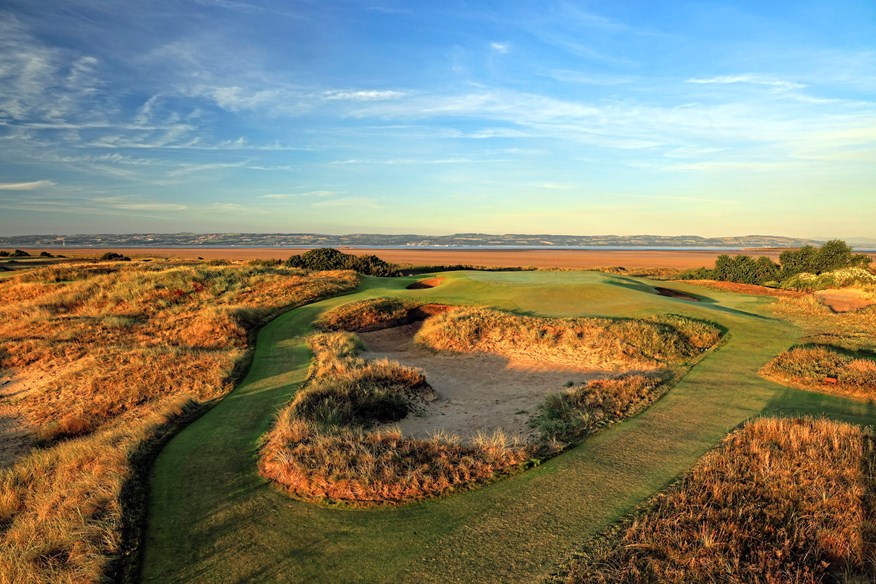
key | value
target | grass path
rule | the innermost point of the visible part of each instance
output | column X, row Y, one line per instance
column 213, row 519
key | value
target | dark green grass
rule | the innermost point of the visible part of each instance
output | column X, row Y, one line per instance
column 213, row 519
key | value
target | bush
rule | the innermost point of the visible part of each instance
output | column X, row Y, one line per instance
column 45, row 254
column 18, row 253
column 112, row 256
column 327, row 258
column 4, row 254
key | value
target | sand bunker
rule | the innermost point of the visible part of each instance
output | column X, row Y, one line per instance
column 675, row 294
column 475, row 392
column 425, row 284
column 845, row 299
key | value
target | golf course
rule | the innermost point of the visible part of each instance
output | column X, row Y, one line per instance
column 212, row 518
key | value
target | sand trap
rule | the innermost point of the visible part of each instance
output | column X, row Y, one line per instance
column 476, row 392
column 845, row 299
column 425, row 284
column 675, row 294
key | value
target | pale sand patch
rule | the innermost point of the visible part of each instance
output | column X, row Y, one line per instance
column 16, row 439
column 475, row 392
column 845, row 299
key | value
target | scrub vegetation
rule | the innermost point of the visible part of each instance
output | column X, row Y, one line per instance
column 321, row 448
column 781, row 500
column 603, row 343
column 808, row 268
column 101, row 357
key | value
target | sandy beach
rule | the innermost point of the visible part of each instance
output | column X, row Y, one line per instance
column 539, row 258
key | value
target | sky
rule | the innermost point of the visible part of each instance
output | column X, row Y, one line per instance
column 389, row 116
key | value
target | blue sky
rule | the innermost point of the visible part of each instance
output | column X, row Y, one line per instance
column 708, row 118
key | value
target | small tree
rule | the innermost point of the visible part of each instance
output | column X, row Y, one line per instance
column 833, row 255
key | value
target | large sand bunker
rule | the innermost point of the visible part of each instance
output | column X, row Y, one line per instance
column 845, row 299
column 476, row 392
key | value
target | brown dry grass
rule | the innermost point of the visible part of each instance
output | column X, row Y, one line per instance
column 110, row 353
column 781, row 501
column 375, row 314
column 567, row 417
column 585, row 342
column 746, row 288
column 825, row 369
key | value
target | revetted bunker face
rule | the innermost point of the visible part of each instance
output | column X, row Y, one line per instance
column 425, row 284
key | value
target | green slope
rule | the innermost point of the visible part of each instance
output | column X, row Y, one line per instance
column 213, row 519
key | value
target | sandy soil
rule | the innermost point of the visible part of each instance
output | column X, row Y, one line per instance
column 845, row 299
column 540, row 258
column 476, row 393
column 15, row 438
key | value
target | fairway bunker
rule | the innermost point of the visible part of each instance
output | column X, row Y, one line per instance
column 425, row 284
column 476, row 392
column 675, row 294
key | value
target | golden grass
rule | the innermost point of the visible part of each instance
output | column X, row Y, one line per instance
column 781, row 501
column 110, row 353
column 583, row 342
column 571, row 415
column 825, row 369
column 376, row 313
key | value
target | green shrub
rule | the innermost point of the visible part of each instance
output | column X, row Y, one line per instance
column 327, row 258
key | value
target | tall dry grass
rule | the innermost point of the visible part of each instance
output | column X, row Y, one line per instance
column 825, row 369
column 102, row 357
column 583, row 342
column 781, row 501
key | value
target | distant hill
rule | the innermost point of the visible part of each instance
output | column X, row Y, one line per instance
column 378, row 240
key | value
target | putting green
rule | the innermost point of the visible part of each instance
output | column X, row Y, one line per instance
column 213, row 519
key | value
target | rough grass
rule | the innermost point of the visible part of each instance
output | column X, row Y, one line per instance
column 367, row 315
column 842, row 278
column 105, row 355
column 849, row 330
column 582, row 342
column 320, row 449
column 827, row 369
column 367, row 468
column 571, row 415
column 345, row 389
column 781, row 501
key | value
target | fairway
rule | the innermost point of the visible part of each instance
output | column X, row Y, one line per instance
column 213, row 519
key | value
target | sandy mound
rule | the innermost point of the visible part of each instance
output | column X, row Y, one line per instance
column 425, row 284
column 476, row 392
column 845, row 299
column 675, row 294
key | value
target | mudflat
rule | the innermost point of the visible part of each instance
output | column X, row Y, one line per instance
column 538, row 258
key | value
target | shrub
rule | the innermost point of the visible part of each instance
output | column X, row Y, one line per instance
column 18, row 253
column 327, row 258
column 4, row 254
column 112, row 256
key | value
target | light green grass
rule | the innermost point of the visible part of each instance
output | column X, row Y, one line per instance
column 213, row 519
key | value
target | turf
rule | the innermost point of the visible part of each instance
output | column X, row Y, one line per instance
column 213, row 519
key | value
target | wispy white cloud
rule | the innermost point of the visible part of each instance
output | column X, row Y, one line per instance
column 27, row 186
column 130, row 203
column 355, row 202
column 748, row 79
column 500, row 48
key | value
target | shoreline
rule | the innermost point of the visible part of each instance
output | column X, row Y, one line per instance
column 493, row 258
